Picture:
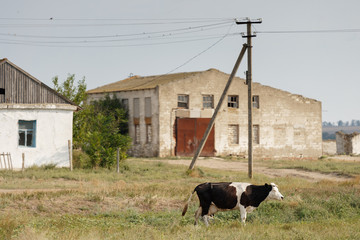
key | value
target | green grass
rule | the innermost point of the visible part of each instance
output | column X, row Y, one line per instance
column 145, row 201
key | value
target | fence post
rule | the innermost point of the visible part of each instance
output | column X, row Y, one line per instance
column 70, row 155
column 117, row 160
column 23, row 162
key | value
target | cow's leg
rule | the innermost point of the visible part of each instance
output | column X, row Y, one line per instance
column 206, row 220
column 212, row 210
column 197, row 215
column 242, row 214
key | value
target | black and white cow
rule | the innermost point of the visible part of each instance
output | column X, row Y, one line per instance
column 226, row 196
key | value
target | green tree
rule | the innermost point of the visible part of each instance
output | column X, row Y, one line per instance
column 106, row 129
column 99, row 128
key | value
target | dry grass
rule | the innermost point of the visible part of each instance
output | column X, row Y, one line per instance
column 145, row 202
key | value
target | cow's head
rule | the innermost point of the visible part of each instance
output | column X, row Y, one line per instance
column 274, row 193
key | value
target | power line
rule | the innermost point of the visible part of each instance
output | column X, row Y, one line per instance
column 169, row 32
column 311, row 31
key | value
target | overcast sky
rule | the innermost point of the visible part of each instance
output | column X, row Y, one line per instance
column 305, row 47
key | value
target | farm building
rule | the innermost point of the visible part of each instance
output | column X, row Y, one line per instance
column 168, row 115
column 35, row 120
column 347, row 143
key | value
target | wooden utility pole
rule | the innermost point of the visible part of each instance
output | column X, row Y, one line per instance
column 212, row 121
column 248, row 22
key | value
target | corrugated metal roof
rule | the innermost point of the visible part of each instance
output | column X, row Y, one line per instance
column 140, row 83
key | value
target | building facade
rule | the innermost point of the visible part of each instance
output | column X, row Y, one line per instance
column 35, row 120
column 169, row 115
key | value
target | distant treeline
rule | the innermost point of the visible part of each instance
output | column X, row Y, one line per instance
column 341, row 123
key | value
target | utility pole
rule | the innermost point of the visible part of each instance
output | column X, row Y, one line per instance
column 223, row 95
column 248, row 22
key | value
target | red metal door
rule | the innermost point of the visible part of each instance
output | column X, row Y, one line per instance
column 189, row 132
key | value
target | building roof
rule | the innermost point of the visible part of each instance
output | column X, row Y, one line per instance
column 38, row 83
column 140, row 83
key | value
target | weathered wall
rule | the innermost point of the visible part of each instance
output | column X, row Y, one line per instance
column 347, row 143
column 142, row 148
column 53, row 130
column 290, row 125
column 329, row 147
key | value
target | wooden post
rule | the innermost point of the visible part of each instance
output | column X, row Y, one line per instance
column 11, row 165
column 248, row 22
column 0, row 161
column 9, row 161
column 5, row 167
column 23, row 162
column 70, row 155
column 212, row 121
column 117, row 160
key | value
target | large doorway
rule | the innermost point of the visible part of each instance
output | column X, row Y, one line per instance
column 189, row 132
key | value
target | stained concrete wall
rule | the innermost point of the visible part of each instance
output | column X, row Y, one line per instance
column 289, row 125
column 53, row 130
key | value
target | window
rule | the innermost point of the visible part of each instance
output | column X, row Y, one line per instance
column 137, row 134
column 148, row 107
column 183, row 101
column 136, row 108
column 233, row 101
column 256, row 134
column 2, row 90
column 255, row 101
column 27, row 133
column 148, row 133
column 208, row 101
column 125, row 103
column 233, row 134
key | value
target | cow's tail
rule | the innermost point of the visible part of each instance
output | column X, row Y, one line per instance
column 187, row 204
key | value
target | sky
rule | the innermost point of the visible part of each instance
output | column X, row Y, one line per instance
column 308, row 47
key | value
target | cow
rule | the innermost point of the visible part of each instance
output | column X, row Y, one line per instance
column 224, row 196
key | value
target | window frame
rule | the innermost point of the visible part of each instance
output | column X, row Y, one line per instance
column 237, row 134
column 256, row 134
column 256, row 101
column 232, row 103
column 209, row 103
column 27, row 132
column 185, row 101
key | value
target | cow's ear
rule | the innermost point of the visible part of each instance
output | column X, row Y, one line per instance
column 266, row 184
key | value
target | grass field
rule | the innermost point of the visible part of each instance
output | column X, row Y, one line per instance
column 145, row 201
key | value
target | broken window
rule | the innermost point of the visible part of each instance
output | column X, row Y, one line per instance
column 256, row 134
column 27, row 133
column 255, row 101
column 233, row 134
column 183, row 101
column 233, row 101
column 208, row 101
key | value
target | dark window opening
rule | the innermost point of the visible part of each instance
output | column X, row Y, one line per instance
column 2, row 90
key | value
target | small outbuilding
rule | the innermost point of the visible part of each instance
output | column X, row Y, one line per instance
column 36, row 121
column 347, row 143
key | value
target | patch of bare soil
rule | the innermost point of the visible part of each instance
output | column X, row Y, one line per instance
column 218, row 163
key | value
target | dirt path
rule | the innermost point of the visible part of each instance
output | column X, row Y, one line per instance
column 219, row 163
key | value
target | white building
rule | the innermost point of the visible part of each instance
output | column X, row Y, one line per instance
column 35, row 120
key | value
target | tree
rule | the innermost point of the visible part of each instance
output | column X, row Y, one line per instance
column 76, row 94
column 99, row 128
column 105, row 130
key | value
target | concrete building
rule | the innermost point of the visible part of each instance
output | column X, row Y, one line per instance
column 35, row 120
column 347, row 143
column 169, row 114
